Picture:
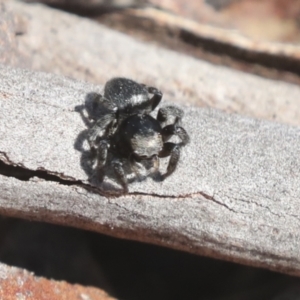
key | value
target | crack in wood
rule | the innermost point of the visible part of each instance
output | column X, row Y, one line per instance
column 10, row 169
column 18, row 171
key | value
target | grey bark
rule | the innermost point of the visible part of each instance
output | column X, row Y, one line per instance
column 234, row 196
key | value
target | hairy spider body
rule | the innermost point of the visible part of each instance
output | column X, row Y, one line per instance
column 130, row 134
column 128, row 97
column 122, row 97
column 139, row 135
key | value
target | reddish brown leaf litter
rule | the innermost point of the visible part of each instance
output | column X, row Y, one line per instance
column 20, row 284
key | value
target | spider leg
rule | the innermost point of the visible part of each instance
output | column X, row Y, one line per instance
column 101, row 158
column 167, row 113
column 172, row 150
column 86, row 120
column 102, row 154
column 152, row 103
column 120, row 174
column 100, row 100
column 134, row 164
column 155, row 164
column 175, row 129
column 157, row 96
column 154, row 170
column 97, row 99
column 101, row 129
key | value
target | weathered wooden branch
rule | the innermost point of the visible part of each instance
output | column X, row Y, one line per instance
column 235, row 195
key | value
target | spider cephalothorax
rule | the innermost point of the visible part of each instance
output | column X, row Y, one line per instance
column 128, row 134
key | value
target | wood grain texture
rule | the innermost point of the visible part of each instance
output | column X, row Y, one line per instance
column 235, row 195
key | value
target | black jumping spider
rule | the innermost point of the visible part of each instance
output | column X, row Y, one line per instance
column 128, row 134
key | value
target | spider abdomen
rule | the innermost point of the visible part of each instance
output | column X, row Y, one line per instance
column 125, row 94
